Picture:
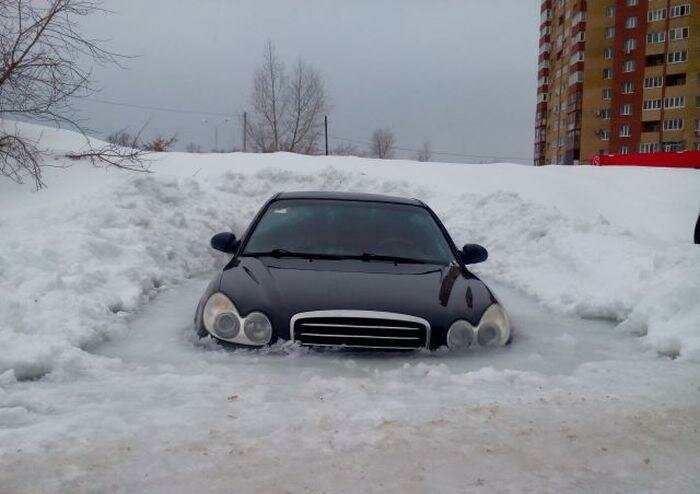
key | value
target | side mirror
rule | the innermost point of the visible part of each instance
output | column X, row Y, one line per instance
column 225, row 242
column 474, row 253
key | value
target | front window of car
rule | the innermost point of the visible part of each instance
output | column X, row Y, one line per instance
column 350, row 229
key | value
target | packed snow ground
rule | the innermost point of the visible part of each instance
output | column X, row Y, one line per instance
column 104, row 388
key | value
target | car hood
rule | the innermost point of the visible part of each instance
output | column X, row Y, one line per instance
column 284, row 287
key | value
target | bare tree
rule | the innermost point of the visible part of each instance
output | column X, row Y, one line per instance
column 425, row 152
column 40, row 75
column 306, row 105
column 287, row 111
column 268, row 102
column 382, row 144
column 123, row 138
column 194, row 148
column 159, row 144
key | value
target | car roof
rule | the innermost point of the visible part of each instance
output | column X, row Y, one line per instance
column 348, row 196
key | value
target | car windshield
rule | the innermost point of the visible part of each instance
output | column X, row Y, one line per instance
column 349, row 229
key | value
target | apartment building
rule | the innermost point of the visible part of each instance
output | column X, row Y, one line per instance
column 617, row 77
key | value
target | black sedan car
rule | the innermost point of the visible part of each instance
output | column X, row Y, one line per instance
column 349, row 270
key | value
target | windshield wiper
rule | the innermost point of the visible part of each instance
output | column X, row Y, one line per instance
column 368, row 256
column 279, row 253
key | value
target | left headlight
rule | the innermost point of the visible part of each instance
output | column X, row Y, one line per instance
column 222, row 320
column 494, row 327
column 257, row 328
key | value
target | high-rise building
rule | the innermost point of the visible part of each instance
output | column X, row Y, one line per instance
column 617, row 77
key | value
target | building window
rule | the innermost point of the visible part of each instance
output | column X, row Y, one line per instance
column 656, row 37
column 575, row 78
column 607, row 73
column 630, row 44
column 676, row 79
column 604, row 135
column 628, row 87
column 653, row 82
column 649, row 147
column 608, row 54
column 604, row 113
column 697, row 102
column 624, row 150
column 678, row 56
column 607, row 93
column 610, row 12
column 673, row 124
column 679, row 33
column 631, row 23
column 626, row 109
column 656, row 15
column 675, row 102
column 680, row 10
column 625, row 131
column 697, row 146
column 697, row 125
column 652, row 104
column 610, row 32
column 628, row 66
column 632, row 3
column 670, row 147
column 576, row 58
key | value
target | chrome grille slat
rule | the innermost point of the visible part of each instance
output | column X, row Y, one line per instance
column 361, row 346
column 317, row 325
column 360, row 329
column 371, row 337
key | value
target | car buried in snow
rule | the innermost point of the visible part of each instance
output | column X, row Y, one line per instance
column 349, row 270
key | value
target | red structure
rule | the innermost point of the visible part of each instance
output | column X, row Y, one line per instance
column 684, row 159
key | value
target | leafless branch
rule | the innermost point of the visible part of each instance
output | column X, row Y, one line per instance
column 41, row 75
column 287, row 111
column 382, row 144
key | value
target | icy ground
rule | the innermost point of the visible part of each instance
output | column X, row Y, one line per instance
column 103, row 387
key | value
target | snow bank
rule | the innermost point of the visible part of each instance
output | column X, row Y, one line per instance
column 78, row 259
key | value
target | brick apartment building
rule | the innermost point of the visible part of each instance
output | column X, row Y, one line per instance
column 617, row 77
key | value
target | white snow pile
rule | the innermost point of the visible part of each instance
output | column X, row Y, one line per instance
column 79, row 258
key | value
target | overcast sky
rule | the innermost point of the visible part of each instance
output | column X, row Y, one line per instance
column 459, row 73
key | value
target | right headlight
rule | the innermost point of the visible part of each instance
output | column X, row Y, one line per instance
column 494, row 327
column 460, row 335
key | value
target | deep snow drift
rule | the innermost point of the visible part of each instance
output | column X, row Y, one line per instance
column 596, row 242
column 99, row 275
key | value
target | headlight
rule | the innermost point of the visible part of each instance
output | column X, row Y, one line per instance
column 460, row 335
column 221, row 319
column 257, row 328
column 494, row 327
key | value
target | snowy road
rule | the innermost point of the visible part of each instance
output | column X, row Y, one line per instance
column 103, row 387
column 570, row 406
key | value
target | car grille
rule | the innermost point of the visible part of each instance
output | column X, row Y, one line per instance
column 360, row 329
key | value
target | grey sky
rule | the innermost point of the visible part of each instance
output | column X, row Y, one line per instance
column 459, row 73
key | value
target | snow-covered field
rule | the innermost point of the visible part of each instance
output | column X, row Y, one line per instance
column 103, row 387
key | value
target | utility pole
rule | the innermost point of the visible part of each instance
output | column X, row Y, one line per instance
column 245, row 131
column 325, row 124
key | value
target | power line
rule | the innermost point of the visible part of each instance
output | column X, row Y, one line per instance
column 337, row 138
column 159, row 108
column 442, row 153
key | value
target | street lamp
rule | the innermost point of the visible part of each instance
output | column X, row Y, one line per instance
column 216, row 131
